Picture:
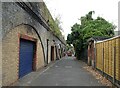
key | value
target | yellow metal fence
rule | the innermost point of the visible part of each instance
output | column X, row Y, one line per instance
column 108, row 57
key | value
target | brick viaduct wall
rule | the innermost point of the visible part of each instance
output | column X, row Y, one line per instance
column 16, row 21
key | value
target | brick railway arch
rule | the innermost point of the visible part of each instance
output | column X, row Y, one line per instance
column 10, row 51
column 35, row 32
column 39, row 39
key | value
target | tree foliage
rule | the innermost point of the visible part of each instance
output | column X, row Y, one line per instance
column 88, row 28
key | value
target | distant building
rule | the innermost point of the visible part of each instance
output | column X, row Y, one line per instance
column 91, row 48
column 117, row 33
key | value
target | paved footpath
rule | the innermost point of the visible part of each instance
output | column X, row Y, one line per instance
column 64, row 72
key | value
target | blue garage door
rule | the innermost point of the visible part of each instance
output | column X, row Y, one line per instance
column 26, row 57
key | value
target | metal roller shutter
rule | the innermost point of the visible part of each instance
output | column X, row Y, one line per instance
column 26, row 57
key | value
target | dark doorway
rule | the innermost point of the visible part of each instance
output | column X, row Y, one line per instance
column 47, row 50
column 52, row 53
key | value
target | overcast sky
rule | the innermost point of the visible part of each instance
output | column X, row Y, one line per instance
column 71, row 10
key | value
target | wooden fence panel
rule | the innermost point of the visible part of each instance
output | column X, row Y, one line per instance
column 117, row 59
column 107, row 57
column 104, row 57
column 113, row 45
column 99, row 56
column 111, row 56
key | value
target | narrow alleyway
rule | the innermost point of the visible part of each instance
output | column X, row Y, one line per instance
column 64, row 72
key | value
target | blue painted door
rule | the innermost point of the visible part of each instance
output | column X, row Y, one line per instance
column 26, row 57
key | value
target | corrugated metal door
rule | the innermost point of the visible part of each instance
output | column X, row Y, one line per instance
column 26, row 57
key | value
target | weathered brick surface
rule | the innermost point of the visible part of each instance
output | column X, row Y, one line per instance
column 13, row 20
column 10, row 53
column 49, row 51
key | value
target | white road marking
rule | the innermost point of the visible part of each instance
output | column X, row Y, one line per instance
column 68, row 66
column 56, row 66
column 56, row 84
column 29, row 82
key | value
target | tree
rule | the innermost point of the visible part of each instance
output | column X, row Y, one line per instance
column 88, row 28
